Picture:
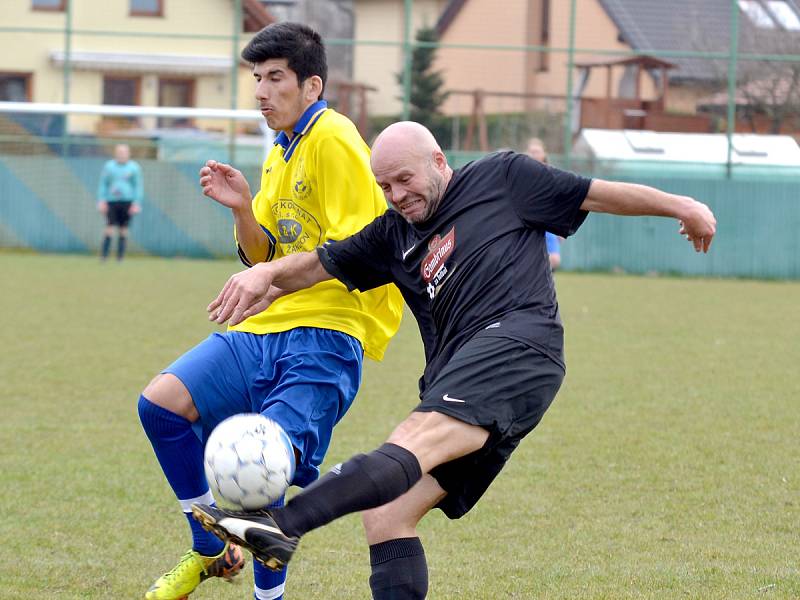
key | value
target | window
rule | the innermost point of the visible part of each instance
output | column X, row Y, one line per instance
column 757, row 14
column 175, row 92
column 147, row 8
column 784, row 14
column 48, row 4
column 544, row 36
column 121, row 90
column 644, row 142
column 771, row 14
column 15, row 87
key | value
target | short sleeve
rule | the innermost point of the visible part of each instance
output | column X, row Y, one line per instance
column 361, row 261
column 544, row 196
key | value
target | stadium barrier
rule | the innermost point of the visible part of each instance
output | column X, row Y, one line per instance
column 48, row 204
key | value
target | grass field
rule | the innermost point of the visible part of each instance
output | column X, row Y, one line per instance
column 669, row 466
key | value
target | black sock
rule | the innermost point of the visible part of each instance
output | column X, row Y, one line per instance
column 106, row 246
column 365, row 481
column 399, row 570
column 121, row 246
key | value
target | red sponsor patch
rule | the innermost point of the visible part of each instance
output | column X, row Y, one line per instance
column 439, row 249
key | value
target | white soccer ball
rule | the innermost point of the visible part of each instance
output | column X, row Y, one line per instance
column 249, row 462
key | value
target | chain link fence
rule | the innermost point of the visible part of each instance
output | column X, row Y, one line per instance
column 691, row 91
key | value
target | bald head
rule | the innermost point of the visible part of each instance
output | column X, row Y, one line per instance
column 405, row 137
column 411, row 169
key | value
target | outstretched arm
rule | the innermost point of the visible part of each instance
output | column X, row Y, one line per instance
column 250, row 292
column 697, row 222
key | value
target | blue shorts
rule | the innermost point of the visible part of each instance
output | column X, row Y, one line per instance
column 305, row 379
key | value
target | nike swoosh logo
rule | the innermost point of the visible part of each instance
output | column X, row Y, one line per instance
column 409, row 251
column 447, row 398
column 238, row 527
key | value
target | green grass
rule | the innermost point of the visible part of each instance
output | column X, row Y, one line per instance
column 667, row 467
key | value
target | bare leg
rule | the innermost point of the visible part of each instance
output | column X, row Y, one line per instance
column 397, row 559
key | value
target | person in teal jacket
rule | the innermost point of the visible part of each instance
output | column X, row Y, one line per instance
column 119, row 197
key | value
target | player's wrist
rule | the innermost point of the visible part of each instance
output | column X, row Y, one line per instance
column 244, row 208
column 685, row 207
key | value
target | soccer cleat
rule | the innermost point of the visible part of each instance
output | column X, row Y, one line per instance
column 254, row 530
column 193, row 569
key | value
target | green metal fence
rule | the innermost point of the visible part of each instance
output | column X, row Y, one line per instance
column 48, row 178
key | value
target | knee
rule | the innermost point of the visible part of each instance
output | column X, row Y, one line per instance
column 169, row 392
column 383, row 523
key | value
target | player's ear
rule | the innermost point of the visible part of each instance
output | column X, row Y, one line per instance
column 439, row 160
column 313, row 88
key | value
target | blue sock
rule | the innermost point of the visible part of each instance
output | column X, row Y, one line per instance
column 180, row 454
column 269, row 584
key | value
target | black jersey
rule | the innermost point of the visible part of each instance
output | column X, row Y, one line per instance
column 479, row 265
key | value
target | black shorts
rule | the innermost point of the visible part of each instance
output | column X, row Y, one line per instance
column 118, row 213
column 502, row 385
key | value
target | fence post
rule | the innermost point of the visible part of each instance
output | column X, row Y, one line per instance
column 67, row 77
column 570, row 67
column 407, row 9
column 732, row 63
column 237, row 24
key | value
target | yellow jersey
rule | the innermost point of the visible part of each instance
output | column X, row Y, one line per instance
column 318, row 186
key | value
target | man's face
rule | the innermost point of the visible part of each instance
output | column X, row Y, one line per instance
column 413, row 185
column 281, row 100
column 536, row 152
column 122, row 154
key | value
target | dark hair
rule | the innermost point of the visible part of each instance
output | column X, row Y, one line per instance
column 300, row 45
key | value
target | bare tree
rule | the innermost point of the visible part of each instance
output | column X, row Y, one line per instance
column 767, row 91
column 770, row 90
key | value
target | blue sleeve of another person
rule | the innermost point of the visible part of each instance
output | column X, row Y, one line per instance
column 553, row 243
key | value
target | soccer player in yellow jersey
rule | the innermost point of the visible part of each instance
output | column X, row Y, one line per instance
column 298, row 363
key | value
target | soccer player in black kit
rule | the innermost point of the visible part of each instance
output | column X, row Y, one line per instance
column 467, row 250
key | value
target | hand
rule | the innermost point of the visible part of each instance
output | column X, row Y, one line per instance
column 245, row 294
column 225, row 184
column 699, row 226
column 102, row 206
column 134, row 209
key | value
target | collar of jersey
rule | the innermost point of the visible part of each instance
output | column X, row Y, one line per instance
column 301, row 128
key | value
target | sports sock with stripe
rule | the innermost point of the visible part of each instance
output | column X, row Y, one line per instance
column 180, row 454
column 399, row 570
column 269, row 584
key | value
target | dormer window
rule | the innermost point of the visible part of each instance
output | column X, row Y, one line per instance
column 147, row 8
column 771, row 14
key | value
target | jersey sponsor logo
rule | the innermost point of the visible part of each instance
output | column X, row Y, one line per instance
column 288, row 230
column 447, row 398
column 298, row 230
column 439, row 250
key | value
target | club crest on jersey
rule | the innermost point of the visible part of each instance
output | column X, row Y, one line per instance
column 439, row 250
column 301, row 188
